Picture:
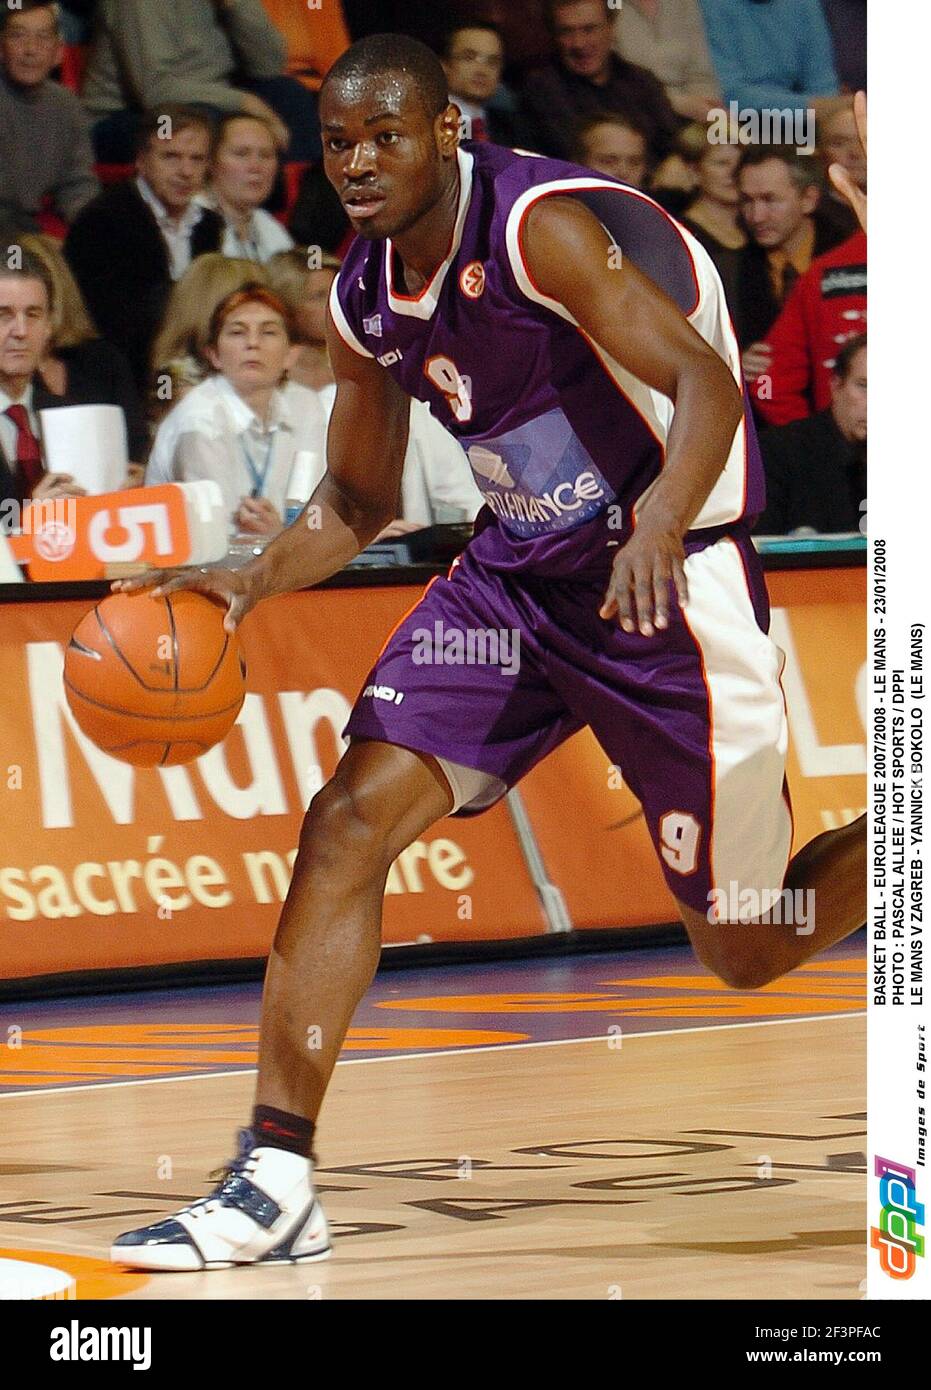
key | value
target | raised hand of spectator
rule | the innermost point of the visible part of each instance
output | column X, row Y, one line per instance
column 54, row 485
column 756, row 360
column 255, row 106
column 841, row 178
column 694, row 106
column 257, row 517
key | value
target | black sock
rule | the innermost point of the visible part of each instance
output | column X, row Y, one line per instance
column 276, row 1129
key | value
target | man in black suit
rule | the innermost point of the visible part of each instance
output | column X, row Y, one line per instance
column 816, row 468
column 587, row 78
column 132, row 242
column 473, row 60
column 25, row 332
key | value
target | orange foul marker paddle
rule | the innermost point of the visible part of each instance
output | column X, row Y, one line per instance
column 79, row 538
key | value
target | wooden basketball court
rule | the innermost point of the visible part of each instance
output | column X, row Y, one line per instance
column 708, row 1160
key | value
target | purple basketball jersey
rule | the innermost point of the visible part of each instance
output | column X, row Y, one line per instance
column 563, row 442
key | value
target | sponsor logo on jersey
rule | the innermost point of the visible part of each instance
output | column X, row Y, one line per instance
column 539, row 477
column 383, row 692
column 372, row 326
column 388, row 359
column 472, row 280
column 490, row 465
column 547, row 507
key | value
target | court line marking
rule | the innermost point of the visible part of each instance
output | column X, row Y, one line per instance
column 443, row 1052
column 91, row 1252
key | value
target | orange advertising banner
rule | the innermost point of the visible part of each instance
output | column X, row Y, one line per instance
column 104, row 865
column 107, row 866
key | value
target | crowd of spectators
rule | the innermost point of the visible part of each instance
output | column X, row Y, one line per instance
column 175, row 240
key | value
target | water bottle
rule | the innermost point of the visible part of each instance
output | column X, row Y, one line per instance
column 305, row 473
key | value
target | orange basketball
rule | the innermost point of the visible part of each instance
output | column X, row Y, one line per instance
column 155, row 681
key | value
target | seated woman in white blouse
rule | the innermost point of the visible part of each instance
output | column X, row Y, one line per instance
column 242, row 173
column 245, row 425
column 437, row 484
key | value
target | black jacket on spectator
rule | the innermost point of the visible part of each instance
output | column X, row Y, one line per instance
column 555, row 101
column 98, row 374
column 318, row 217
column 121, row 264
column 756, row 308
column 847, row 23
column 10, row 480
column 836, row 218
column 506, row 127
column 814, row 477
column 83, row 8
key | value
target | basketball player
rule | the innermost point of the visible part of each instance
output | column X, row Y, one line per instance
column 576, row 341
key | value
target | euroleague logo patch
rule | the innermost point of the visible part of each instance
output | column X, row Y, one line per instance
column 55, row 541
column 472, row 280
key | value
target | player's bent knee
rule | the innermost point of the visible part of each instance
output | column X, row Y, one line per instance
column 339, row 834
column 736, row 953
column 745, row 972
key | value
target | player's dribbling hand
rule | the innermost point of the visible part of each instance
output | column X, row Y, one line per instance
column 231, row 586
column 645, row 569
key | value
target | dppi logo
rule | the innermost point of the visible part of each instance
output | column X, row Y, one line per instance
column 896, row 1236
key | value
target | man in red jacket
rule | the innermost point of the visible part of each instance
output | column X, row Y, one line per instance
column 825, row 310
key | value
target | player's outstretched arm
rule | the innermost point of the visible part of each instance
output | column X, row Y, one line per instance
column 356, row 498
column 571, row 259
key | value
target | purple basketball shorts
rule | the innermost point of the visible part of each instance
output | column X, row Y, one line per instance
column 492, row 670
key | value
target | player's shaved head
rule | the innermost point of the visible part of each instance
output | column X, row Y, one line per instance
column 392, row 56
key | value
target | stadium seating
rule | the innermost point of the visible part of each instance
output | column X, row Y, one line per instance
column 71, row 75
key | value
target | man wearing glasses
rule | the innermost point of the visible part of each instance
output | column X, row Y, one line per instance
column 45, row 153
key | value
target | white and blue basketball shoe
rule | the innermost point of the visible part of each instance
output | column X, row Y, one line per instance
column 264, row 1212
